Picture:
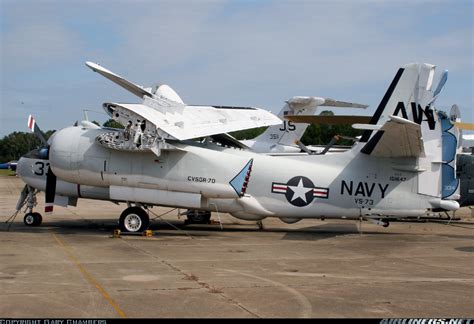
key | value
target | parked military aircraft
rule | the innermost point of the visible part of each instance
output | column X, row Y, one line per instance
column 152, row 162
column 9, row 165
column 286, row 138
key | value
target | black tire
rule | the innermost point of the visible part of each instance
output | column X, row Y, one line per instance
column 134, row 219
column 33, row 219
column 198, row 216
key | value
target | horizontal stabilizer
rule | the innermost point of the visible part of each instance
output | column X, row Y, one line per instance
column 465, row 126
column 133, row 88
column 301, row 102
column 328, row 120
column 336, row 103
column 366, row 126
column 398, row 137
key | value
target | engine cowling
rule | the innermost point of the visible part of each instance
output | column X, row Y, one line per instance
column 75, row 158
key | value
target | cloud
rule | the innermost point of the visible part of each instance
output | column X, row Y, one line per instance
column 292, row 41
column 37, row 42
column 225, row 52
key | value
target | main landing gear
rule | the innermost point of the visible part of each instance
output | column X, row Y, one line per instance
column 134, row 219
column 196, row 216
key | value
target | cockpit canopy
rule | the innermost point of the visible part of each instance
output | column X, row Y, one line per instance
column 40, row 153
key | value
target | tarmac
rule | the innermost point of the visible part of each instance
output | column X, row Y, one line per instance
column 72, row 267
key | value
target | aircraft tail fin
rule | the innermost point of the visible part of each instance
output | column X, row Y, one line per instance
column 441, row 146
column 277, row 137
column 408, row 126
column 409, row 96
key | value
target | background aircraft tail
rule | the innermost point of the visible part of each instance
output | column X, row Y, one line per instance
column 285, row 137
column 289, row 132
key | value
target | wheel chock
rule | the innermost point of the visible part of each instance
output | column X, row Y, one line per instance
column 148, row 233
column 116, row 233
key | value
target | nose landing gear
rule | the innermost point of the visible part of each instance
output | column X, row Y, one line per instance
column 33, row 219
column 28, row 197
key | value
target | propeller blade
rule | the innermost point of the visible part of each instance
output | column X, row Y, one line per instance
column 36, row 130
column 50, row 191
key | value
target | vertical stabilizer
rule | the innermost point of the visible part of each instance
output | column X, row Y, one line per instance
column 283, row 137
column 411, row 96
column 408, row 96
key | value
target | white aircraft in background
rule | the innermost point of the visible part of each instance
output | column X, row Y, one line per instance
column 286, row 138
column 402, row 166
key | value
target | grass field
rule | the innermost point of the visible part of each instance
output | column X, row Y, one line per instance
column 6, row 173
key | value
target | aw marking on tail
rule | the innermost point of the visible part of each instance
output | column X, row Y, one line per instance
column 417, row 114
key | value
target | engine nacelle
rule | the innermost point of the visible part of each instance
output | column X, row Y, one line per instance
column 74, row 158
column 289, row 220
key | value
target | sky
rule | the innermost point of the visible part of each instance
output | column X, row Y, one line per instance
column 241, row 53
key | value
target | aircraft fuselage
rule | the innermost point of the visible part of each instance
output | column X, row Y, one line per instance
column 346, row 184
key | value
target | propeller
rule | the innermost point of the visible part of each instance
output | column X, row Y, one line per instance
column 36, row 130
column 50, row 191
column 50, row 176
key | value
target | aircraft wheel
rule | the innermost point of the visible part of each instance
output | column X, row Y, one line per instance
column 32, row 219
column 386, row 224
column 134, row 219
column 198, row 217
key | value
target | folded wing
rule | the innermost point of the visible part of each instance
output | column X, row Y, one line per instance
column 187, row 122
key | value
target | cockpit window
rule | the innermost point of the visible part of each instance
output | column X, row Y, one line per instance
column 41, row 153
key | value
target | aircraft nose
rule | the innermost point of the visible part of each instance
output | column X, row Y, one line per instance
column 21, row 167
